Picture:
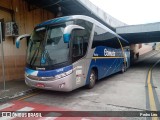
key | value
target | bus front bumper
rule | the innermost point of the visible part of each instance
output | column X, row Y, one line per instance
column 62, row 84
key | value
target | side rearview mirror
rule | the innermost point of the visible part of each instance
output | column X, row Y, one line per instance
column 68, row 30
column 20, row 38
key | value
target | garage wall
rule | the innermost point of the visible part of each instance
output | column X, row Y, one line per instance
column 26, row 20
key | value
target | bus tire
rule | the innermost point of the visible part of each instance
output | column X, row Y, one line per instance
column 92, row 79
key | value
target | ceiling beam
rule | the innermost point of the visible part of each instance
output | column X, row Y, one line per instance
column 7, row 10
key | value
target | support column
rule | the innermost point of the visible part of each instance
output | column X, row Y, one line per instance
column 2, row 53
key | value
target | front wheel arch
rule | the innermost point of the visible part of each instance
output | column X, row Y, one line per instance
column 93, row 76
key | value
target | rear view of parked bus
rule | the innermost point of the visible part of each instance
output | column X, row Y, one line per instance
column 70, row 52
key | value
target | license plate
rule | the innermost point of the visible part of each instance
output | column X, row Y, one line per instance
column 40, row 85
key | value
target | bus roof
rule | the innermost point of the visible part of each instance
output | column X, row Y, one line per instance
column 82, row 17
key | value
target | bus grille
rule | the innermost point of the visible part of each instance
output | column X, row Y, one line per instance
column 34, row 77
column 41, row 78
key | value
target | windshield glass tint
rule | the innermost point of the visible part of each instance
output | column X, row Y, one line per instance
column 57, row 50
column 36, row 46
column 47, row 47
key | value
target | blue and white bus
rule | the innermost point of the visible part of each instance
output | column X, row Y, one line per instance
column 70, row 52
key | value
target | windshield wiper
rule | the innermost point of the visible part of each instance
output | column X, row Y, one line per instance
column 34, row 57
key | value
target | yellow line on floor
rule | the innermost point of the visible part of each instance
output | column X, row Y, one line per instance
column 151, row 96
column 28, row 96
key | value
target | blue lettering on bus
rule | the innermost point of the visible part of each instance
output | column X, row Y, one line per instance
column 106, row 66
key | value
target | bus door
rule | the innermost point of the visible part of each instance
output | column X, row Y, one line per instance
column 80, row 43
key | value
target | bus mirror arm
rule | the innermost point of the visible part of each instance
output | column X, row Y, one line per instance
column 20, row 38
column 68, row 30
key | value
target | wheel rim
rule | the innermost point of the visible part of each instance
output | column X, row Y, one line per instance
column 92, row 78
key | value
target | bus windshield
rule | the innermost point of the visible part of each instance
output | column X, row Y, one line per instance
column 47, row 47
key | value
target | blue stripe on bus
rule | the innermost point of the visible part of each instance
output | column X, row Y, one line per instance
column 106, row 66
column 49, row 73
column 53, row 21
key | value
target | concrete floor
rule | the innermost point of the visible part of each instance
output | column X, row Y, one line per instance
column 119, row 92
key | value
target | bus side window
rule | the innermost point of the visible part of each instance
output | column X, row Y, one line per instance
column 103, row 37
column 80, row 39
column 77, row 46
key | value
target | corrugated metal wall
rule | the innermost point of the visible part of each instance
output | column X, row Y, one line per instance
column 15, row 58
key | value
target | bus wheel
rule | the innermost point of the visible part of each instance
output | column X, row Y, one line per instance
column 92, row 79
column 124, row 68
